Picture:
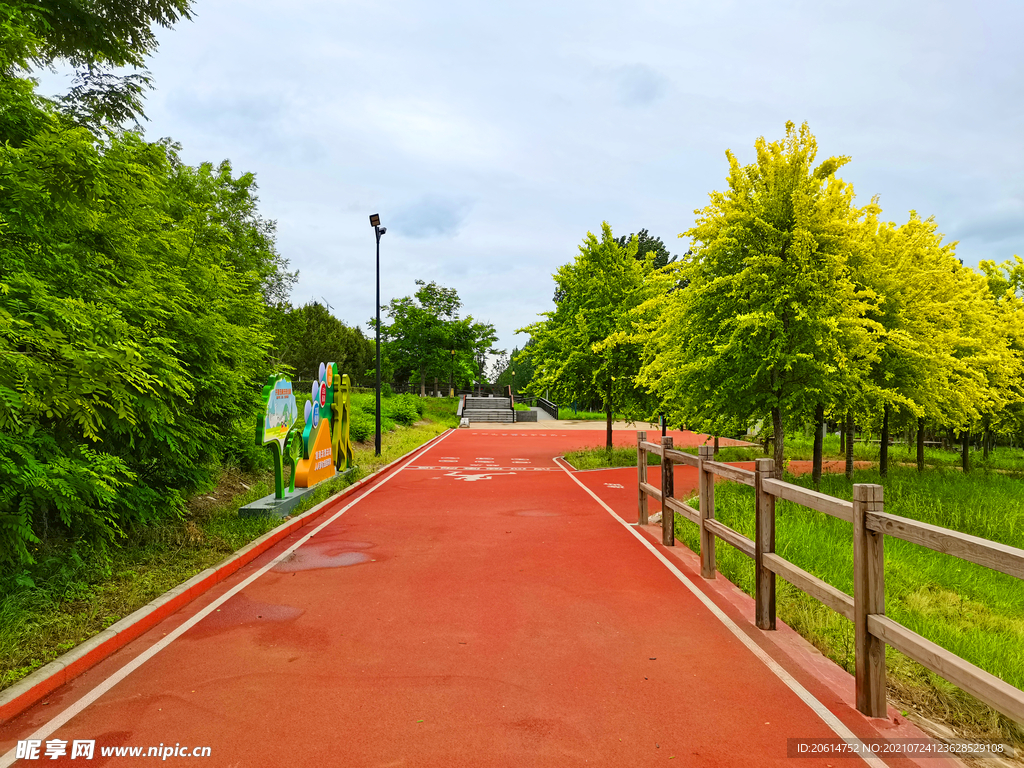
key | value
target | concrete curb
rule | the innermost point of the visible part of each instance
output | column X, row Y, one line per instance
column 23, row 694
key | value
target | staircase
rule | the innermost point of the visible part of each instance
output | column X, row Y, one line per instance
column 497, row 409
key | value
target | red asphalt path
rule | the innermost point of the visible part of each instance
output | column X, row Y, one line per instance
column 477, row 608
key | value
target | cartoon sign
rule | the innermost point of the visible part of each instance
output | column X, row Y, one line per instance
column 280, row 413
column 326, row 448
column 322, row 447
column 274, row 428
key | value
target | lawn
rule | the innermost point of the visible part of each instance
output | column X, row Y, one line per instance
column 568, row 414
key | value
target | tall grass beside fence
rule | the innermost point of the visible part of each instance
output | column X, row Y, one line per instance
column 1003, row 458
column 970, row 610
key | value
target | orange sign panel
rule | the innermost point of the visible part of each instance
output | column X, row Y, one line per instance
column 320, row 464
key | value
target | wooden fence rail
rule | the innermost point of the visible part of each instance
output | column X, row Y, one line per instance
column 873, row 630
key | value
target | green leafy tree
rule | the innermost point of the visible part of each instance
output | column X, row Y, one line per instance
column 132, row 331
column 425, row 330
column 647, row 244
column 765, row 326
column 586, row 348
column 309, row 335
column 96, row 38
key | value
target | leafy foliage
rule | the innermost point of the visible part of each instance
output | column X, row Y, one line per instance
column 309, row 335
column 646, row 244
column 426, row 337
column 586, row 349
column 133, row 304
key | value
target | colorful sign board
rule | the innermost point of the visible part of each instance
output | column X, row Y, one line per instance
column 281, row 411
column 322, row 447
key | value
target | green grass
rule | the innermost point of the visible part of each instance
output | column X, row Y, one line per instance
column 972, row 611
column 1002, row 458
column 441, row 410
column 568, row 414
column 601, row 458
column 77, row 591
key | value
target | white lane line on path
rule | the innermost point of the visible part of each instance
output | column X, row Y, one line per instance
column 833, row 722
column 48, row 728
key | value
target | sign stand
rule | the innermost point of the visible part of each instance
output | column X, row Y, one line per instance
column 317, row 451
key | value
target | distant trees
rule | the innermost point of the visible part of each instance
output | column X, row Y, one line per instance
column 309, row 335
column 425, row 337
column 586, row 348
column 517, row 370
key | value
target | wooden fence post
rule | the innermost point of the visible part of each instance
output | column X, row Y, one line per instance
column 764, row 542
column 641, row 476
column 706, row 487
column 668, row 516
column 868, row 598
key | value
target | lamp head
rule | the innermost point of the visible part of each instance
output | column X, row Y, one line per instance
column 374, row 219
column 383, row 230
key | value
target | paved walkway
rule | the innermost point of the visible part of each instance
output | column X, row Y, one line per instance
column 478, row 607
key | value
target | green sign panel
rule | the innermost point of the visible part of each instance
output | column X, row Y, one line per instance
column 281, row 412
column 321, row 447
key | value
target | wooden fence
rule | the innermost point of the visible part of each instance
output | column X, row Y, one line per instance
column 873, row 630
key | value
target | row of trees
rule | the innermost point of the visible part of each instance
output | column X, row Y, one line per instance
column 135, row 291
column 793, row 306
column 425, row 338
column 304, row 337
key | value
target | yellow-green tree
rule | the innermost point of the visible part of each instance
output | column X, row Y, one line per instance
column 765, row 326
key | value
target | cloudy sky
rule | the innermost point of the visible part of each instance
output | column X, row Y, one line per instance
column 491, row 136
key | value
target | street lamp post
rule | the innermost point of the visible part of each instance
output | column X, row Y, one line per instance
column 378, row 230
column 451, row 376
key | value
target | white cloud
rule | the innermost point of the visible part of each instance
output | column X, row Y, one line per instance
column 491, row 137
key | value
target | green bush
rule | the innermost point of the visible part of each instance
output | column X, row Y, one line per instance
column 404, row 409
column 133, row 299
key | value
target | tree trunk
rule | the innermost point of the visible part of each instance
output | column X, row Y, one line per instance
column 608, row 441
column 780, row 438
column 842, row 438
column 819, row 439
column 716, row 446
column 920, row 444
column 849, row 445
column 423, row 383
column 435, row 386
column 986, row 437
column 965, row 457
column 883, row 454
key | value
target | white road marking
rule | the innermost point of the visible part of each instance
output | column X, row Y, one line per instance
column 833, row 722
column 513, row 469
column 48, row 728
column 473, row 477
